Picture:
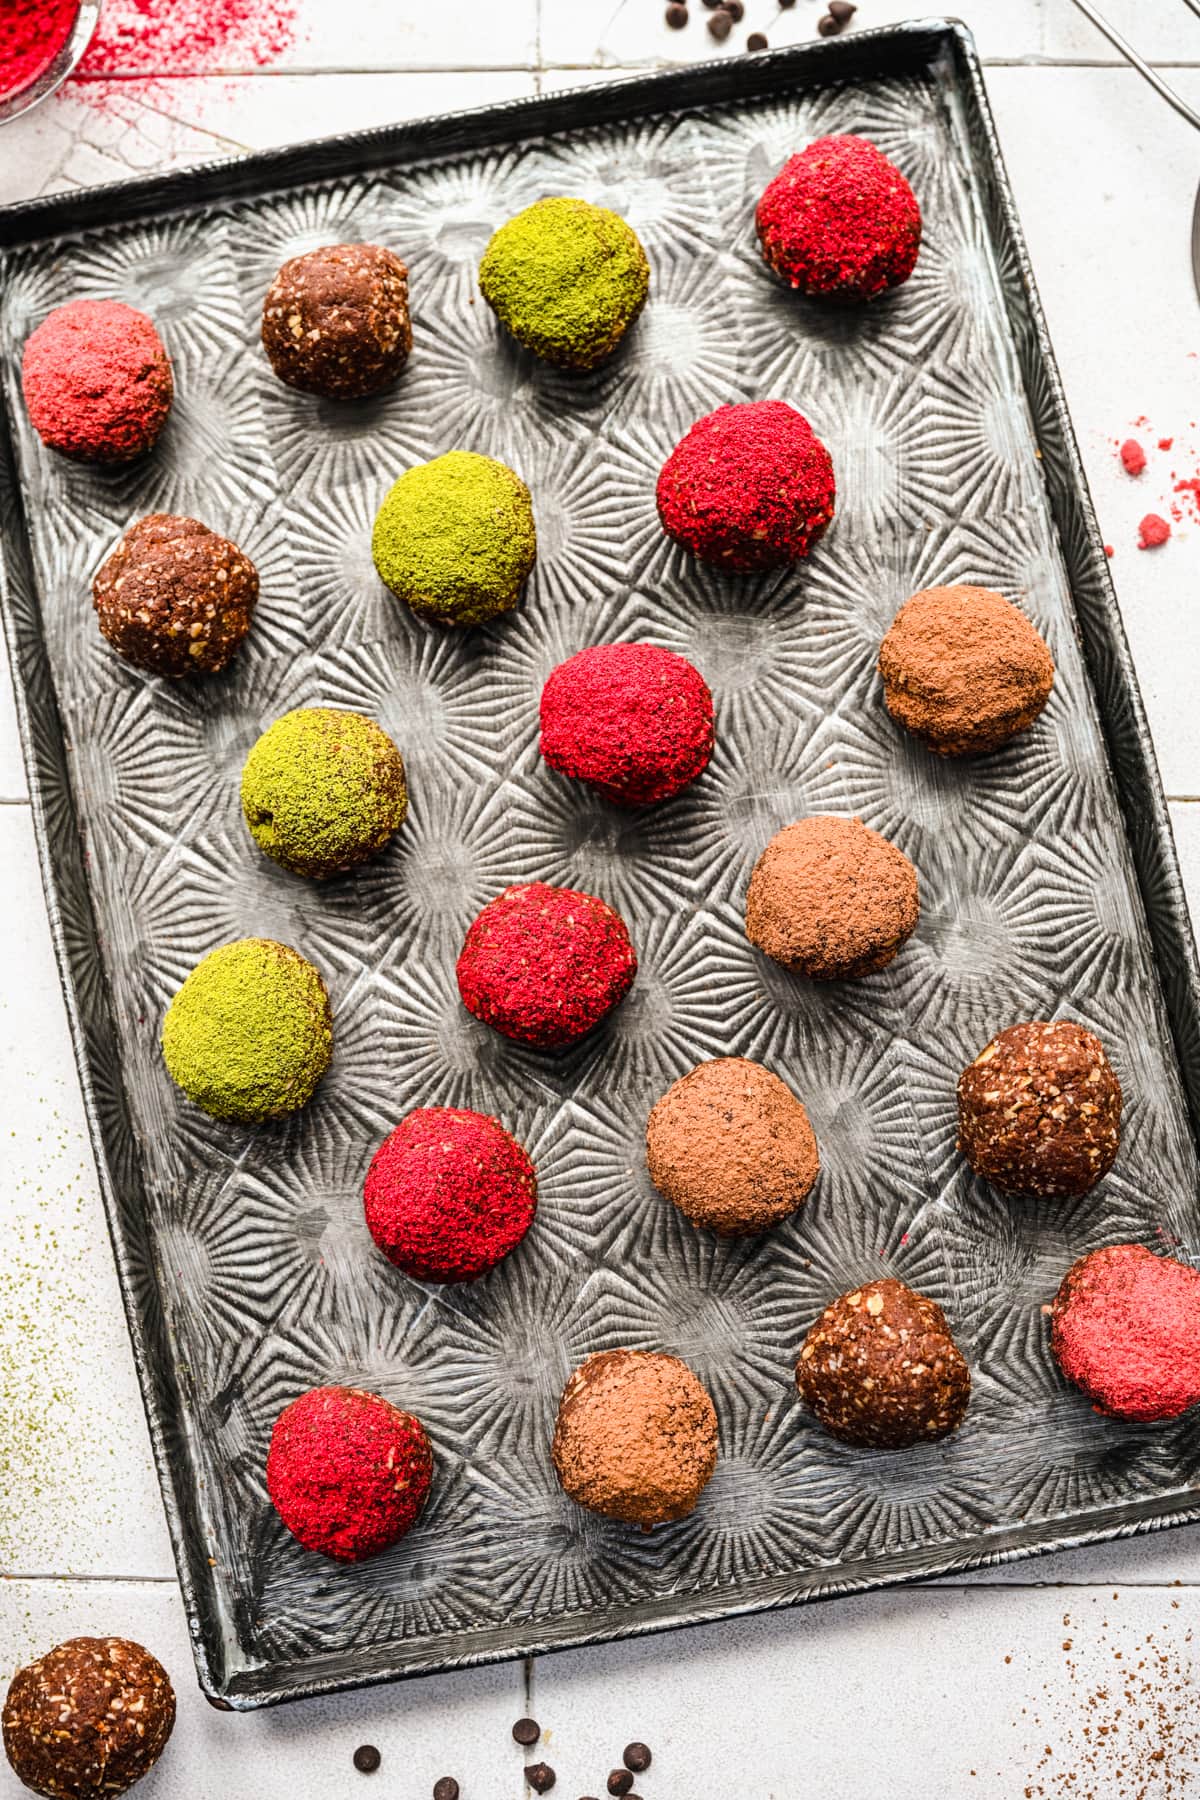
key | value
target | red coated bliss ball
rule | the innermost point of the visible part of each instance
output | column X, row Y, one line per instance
column 347, row 1471
column 840, row 220
column 544, row 964
column 633, row 720
column 97, row 381
column 449, row 1194
column 1126, row 1329
column 749, row 487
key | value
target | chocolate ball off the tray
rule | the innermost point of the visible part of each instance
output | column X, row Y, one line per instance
column 88, row 1719
column 749, row 487
column 731, row 1145
column 335, row 321
column 545, row 964
column 567, row 279
column 1125, row 1327
column 964, row 670
column 880, row 1368
column 1039, row 1110
column 97, row 381
column 636, row 1437
column 348, row 1472
column 250, row 1033
column 840, row 221
column 831, row 899
column 632, row 720
column 455, row 538
column 323, row 790
column 173, row 598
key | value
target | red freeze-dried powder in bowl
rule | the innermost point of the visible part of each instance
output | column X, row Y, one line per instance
column 1126, row 1329
column 632, row 720
column 32, row 32
column 448, row 1194
column 348, row 1472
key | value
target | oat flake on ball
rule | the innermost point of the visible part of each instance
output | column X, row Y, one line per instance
column 89, row 1719
column 840, row 221
column 1039, row 1110
column 348, row 1472
column 632, row 720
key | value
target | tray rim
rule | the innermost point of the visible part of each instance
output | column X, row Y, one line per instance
column 1148, row 830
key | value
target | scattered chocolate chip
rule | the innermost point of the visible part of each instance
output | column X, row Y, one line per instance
column 637, row 1757
column 827, row 26
column 367, row 1759
column 756, row 41
column 541, row 1777
column 787, row 5
column 620, row 1781
column 720, row 26
column 735, row 9
column 842, row 11
column 527, row 1731
column 445, row 1789
column 677, row 16
column 712, row 4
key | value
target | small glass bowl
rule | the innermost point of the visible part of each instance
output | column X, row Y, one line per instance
column 55, row 72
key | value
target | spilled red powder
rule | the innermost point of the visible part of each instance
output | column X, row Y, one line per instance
column 1190, row 489
column 347, row 1471
column 1152, row 531
column 32, row 32
column 1108, row 550
column 1133, row 456
column 188, row 37
column 1165, row 443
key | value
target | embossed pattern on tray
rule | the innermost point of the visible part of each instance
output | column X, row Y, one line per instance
column 257, row 1252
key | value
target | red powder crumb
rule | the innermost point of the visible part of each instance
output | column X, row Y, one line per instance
column 749, row 487
column 32, row 32
column 544, row 964
column 97, row 381
column 1108, row 550
column 1133, row 456
column 188, row 37
column 1190, row 489
column 1165, row 443
column 449, row 1194
column 347, row 1471
column 1126, row 1329
column 1152, row 531
column 633, row 720
column 840, row 220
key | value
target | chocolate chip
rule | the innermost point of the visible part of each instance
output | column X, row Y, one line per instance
column 712, row 4
column 445, row 1789
column 735, row 9
column 827, row 26
column 367, row 1759
column 677, row 16
column 541, row 1777
column 756, row 41
column 637, row 1757
column 720, row 26
column 842, row 10
column 620, row 1781
column 527, row 1731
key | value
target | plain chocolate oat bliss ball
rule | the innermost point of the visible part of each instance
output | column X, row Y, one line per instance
column 335, row 322
column 1039, row 1110
column 173, row 598
column 880, row 1368
column 89, row 1719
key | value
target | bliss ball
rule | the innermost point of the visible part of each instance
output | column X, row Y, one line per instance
column 335, row 321
column 731, row 1145
column 88, row 1719
column 544, row 965
column 634, row 721
column 749, row 487
column 880, row 1368
column 250, row 1033
column 636, row 1437
column 964, row 670
column 840, row 221
column 1125, row 1327
column 97, row 381
column 449, row 1193
column 567, row 279
column 322, row 790
column 348, row 1472
column 173, row 598
column 1039, row 1110
column 831, row 899
column 455, row 538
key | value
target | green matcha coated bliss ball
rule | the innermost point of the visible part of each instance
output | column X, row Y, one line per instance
column 249, row 1034
column 455, row 538
column 323, row 790
column 567, row 279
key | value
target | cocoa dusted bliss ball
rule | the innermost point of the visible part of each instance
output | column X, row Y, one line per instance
column 173, row 598
column 1039, row 1110
column 831, row 899
column 636, row 1437
column 335, row 321
column 880, row 1368
column 88, row 1719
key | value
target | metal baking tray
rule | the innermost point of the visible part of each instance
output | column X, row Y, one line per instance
column 1048, row 872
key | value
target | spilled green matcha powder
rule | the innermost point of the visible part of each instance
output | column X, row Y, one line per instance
column 249, row 1034
column 455, row 538
column 567, row 279
column 323, row 790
